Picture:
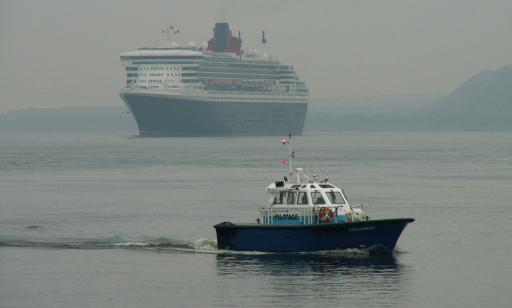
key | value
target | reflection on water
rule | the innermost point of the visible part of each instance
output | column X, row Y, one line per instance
column 351, row 279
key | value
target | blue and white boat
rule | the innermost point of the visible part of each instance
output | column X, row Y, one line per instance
column 307, row 214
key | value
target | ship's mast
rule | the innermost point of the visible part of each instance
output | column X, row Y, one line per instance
column 168, row 33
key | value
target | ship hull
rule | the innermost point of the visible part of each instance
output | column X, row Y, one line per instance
column 166, row 115
column 372, row 234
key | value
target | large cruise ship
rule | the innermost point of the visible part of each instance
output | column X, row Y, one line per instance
column 214, row 89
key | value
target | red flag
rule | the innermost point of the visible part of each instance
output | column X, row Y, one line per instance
column 283, row 162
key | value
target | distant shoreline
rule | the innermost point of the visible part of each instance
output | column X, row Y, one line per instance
column 482, row 103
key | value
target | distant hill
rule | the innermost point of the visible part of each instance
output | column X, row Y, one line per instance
column 482, row 102
column 388, row 112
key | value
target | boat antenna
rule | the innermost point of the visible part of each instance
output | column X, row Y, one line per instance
column 291, row 153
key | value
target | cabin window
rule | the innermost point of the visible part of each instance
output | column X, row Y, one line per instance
column 279, row 199
column 302, row 198
column 326, row 186
column 317, row 198
column 291, row 198
column 335, row 197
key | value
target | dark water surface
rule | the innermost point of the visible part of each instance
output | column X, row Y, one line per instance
column 120, row 221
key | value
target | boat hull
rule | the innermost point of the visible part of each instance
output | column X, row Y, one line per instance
column 382, row 233
column 172, row 115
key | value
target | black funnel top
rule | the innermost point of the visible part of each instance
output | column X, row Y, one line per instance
column 221, row 36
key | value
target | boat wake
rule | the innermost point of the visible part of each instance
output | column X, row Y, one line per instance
column 201, row 245
column 205, row 246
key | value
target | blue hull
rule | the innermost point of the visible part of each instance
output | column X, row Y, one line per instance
column 302, row 238
column 173, row 116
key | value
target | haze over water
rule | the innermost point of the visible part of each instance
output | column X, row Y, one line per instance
column 114, row 220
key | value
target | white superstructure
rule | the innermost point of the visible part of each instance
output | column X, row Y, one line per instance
column 222, row 76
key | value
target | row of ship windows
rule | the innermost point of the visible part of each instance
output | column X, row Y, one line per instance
column 154, row 68
column 248, row 66
column 243, row 71
column 203, row 80
column 161, row 62
column 142, row 80
column 243, row 61
column 160, row 80
column 274, row 116
column 205, row 75
column 246, row 76
column 255, row 66
column 227, row 69
column 160, row 74
column 217, row 66
column 240, row 70
column 243, row 65
column 160, row 58
column 195, row 81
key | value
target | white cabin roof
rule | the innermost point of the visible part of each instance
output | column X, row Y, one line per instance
column 311, row 186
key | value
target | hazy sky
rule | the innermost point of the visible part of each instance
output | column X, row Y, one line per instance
column 66, row 53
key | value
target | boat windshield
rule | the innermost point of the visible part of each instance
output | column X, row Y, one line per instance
column 335, row 197
column 291, row 198
column 317, row 198
column 302, row 198
column 280, row 197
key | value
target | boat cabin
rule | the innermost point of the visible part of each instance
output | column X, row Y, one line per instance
column 297, row 199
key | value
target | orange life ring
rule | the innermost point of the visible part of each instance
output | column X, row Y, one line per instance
column 325, row 214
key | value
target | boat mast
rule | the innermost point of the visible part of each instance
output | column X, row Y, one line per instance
column 291, row 154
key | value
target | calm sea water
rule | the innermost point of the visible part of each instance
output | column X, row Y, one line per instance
column 121, row 221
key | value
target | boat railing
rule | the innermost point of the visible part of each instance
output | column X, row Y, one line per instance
column 303, row 216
